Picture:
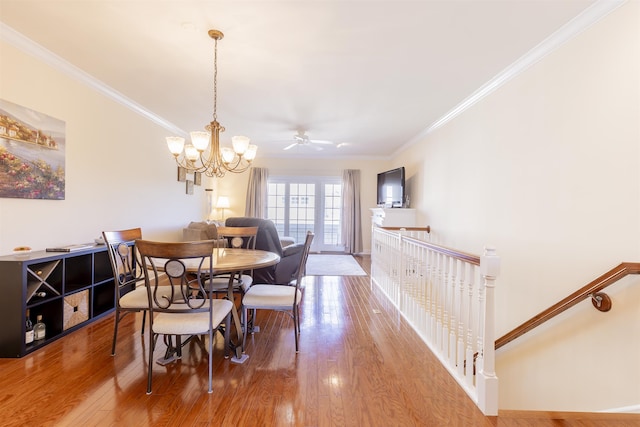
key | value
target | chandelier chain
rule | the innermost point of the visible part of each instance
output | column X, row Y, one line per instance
column 204, row 154
column 215, row 81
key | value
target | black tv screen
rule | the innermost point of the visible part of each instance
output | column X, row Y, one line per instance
column 391, row 188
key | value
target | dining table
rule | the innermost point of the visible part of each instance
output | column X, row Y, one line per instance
column 234, row 261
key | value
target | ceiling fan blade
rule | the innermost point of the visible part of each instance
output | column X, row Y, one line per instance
column 320, row 141
column 290, row 146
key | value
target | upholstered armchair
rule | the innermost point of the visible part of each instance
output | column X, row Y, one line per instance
column 268, row 240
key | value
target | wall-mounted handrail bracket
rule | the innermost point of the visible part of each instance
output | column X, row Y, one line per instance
column 601, row 301
column 593, row 290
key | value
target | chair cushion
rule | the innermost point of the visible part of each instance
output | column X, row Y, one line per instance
column 271, row 296
column 191, row 323
column 136, row 298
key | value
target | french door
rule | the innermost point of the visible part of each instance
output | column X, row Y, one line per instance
column 300, row 204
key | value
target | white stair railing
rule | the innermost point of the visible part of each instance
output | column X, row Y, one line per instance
column 448, row 298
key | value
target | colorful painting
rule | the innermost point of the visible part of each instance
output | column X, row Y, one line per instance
column 32, row 158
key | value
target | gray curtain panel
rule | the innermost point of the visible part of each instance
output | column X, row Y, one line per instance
column 351, row 224
column 256, row 205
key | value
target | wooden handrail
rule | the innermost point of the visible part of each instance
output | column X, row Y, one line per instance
column 427, row 228
column 593, row 287
column 453, row 253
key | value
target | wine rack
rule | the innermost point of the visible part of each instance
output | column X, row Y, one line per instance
column 37, row 280
column 69, row 290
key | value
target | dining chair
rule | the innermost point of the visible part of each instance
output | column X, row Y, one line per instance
column 131, row 295
column 280, row 297
column 240, row 237
column 173, row 310
column 235, row 237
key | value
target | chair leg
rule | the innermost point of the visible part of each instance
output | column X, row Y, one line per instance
column 246, row 328
column 227, row 335
column 296, row 328
column 152, row 344
column 211, row 332
column 144, row 320
column 115, row 332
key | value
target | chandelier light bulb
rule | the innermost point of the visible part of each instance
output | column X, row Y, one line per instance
column 227, row 154
column 240, row 144
column 251, row 152
column 191, row 153
column 200, row 139
column 175, row 144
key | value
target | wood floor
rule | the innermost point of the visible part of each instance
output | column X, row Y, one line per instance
column 360, row 364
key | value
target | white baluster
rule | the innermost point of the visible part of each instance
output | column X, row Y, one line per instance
column 487, row 383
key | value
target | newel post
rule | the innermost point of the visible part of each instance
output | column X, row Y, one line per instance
column 487, row 381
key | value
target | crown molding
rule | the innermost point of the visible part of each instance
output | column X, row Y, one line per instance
column 574, row 27
column 581, row 22
column 30, row 47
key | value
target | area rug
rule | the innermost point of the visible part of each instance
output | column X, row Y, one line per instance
column 333, row 265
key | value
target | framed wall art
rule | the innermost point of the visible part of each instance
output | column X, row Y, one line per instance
column 32, row 154
column 182, row 174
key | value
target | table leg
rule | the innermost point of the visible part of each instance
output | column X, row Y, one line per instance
column 239, row 356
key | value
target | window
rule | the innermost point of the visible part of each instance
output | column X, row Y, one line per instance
column 300, row 204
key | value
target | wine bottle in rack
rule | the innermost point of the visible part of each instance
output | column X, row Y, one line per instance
column 39, row 329
column 28, row 339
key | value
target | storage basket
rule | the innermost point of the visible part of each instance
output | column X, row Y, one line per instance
column 76, row 309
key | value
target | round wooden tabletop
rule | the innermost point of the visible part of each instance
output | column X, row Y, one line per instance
column 226, row 260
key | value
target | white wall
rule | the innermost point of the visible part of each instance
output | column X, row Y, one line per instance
column 119, row 173
column 547, row 170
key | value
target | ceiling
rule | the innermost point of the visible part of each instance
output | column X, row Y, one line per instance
column 371, row 74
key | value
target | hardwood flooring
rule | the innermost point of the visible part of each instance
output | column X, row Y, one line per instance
column 360, row 364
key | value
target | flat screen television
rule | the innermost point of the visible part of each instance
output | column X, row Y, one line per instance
column 391, row 188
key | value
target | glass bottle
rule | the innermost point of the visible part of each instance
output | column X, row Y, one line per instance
column 28, row 339
column 39, row 329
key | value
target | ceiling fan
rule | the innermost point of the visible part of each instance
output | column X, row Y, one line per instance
column 302, row 139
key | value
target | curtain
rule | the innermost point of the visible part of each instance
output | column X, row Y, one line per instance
column 256, row 205
column 351, row 224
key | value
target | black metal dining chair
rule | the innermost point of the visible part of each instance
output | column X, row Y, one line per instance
column 174, row 311
column 280, row 297
column 131, row 295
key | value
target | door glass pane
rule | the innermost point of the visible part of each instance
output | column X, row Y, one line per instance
column 332, row 209
column 300, row 204
column 276, row 205
column 301, row 209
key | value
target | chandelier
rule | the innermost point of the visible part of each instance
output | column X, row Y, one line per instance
column 204, row 154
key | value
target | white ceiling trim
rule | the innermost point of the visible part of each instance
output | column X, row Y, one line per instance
column 588, row 17
column 30, row 47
